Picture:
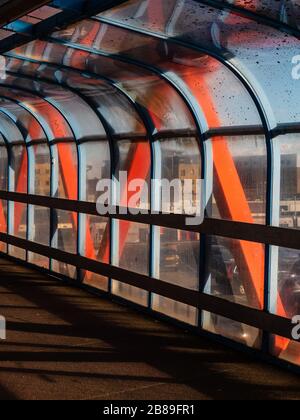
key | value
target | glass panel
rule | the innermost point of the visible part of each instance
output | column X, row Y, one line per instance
column 167, row 108
column 286, row 12
column 233, row 330
column 95, row 164
column 95, row 281
column 65, row 239
column 40, row 227
column 96, row 247
column 247, row 44
column 18, row 227
column 229, row 104
column 179, row 258
column 54, row 53
column 171, row 308
column 285, row 287
column 5, row 34
column 176, row 252
column 65, row 179
column 18, row 183
column 64, row 269
column 288, row 283
column 118, row 112
column 32, row 130
column 95, row 238
column 289, row 149
column 65, row 222
column 176, row 161
column 133, row 161
column 66, row 233
column 55, row 126
column 235, row 271
column 39, row 232
column 131, row 253
column 80, row 116
column 39, row 171
column 66, row 168
column 9, row 130
column 40, row 158
column 285, row 349
column 176, row 261
column 44, row 12
column 38, row 260
column 239, row 179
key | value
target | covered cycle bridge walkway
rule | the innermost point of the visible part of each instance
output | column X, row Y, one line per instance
column 183, row 91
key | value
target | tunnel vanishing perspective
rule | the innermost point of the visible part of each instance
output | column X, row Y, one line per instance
column 167, row 90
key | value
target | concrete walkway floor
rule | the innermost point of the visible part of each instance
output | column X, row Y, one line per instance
column 63, row 343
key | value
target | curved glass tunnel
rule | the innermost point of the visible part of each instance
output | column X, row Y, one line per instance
column 167, row 90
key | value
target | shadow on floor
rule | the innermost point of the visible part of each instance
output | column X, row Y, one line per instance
column 64, row 343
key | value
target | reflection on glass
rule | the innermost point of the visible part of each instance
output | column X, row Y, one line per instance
column 285, row 349
column 64, row 269
column 288, row 283
column 247, row 44
column 81, row 117
column 178, row 253
column 41, row 176
column 173, row 309
column 235, row 270
column 286, row 12
column 40, row 228
column 225, row 105
column 236, row 165
column 239, row 179
column 289, row 149
column 3, row 186
column 95, row 281
column 133, row 163
column 178, row 160
column 39, row 232
column 95, row 238
column 131, row 253
column 39, row 217
column 95, row 165
column 66, row 231
column 96, row 243
column 18, row 183
column 66, row 168
column 233, row 330
column 65, row 239
column 131, row 240
column 18, row 227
